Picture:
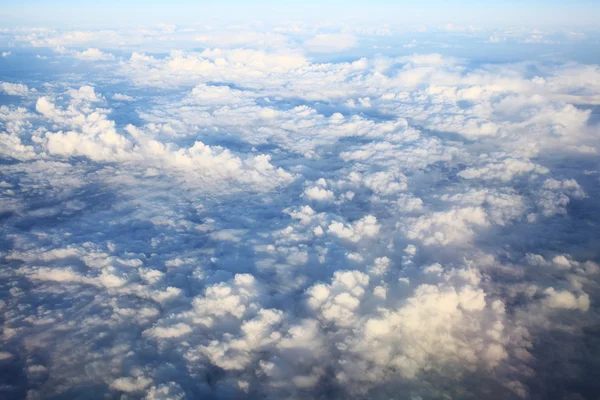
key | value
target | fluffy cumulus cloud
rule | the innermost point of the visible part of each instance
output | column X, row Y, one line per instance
column 300, row 212
column 14, row 89
column 93, row 54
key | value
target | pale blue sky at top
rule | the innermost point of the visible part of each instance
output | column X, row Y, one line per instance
column 135, row 12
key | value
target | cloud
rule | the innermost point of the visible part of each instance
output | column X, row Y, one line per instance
column 365, row 227
column 319, row 193
column 504, row 171
column 331, row 42
column 122, row 97
column 14, row 89
column 91, row 134
column 217, row 95
column 456, row 226
column 566, row 300
column 93, row 54
column 386, row 183
column 555, row 195
column 130, row 385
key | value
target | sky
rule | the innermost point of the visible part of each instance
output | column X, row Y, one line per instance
column 135, row 12
column 349, row 201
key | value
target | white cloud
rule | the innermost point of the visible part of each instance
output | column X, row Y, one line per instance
column 566, row 300
column 319, row 194
column 122, row 97
column 93, row 54
column 131, row 384
column 457, row 226
column 505, row 170
column 386, row 183
column 331, row 42
column 96, row 137
column 363, row 228
column 14, row 89
column 217, row 95
column 168, row 391
column 555, row 195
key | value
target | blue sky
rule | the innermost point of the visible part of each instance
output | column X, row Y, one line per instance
column 530, row 12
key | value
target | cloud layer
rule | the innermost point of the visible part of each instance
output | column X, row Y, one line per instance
column 247, row 220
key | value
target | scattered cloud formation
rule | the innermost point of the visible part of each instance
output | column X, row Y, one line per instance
column 192, row 213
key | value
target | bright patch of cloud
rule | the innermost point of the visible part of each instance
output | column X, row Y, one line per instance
column 331, row 42
column 93, row 54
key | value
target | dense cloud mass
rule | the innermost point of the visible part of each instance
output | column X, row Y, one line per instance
column 195, row 214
